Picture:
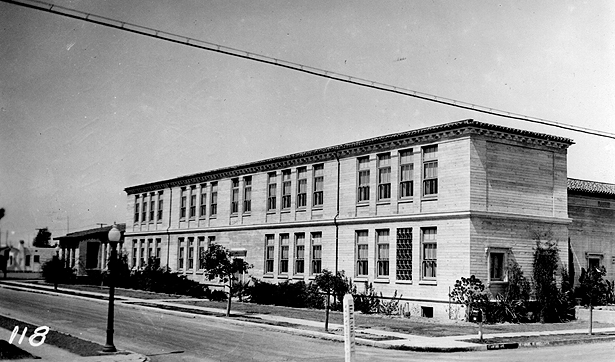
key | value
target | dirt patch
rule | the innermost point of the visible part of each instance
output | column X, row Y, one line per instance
column 11, row 351
column 64, row 341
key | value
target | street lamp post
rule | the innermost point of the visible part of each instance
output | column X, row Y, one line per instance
column 114, row 237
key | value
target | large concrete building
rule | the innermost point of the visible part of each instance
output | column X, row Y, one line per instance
column 409, row 212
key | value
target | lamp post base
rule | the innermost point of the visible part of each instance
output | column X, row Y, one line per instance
column 109, row 348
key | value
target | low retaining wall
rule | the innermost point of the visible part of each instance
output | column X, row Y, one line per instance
column 601, row 314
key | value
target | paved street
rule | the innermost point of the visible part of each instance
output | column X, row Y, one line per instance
column 163, row 336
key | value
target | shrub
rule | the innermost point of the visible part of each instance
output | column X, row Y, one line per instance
column 366, row 302
column 471, row 293
column 511, row 305
column 215, row 295
column 55, row 271
column 389, row 306
column 314, row 299
column 261, row 292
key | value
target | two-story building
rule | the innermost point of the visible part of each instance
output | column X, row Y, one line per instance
column 409, row 212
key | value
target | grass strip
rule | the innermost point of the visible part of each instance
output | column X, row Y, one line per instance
column 61, row 340
column 11, row 351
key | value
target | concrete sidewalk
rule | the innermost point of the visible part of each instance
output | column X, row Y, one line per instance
column 364, row 336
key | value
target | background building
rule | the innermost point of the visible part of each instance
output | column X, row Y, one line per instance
column 591, row 206
column 88, row 250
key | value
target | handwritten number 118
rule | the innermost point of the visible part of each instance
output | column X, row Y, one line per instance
column 38, row 332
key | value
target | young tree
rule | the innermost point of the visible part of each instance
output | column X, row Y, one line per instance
column 337, row 285
column 220, row 264
column 326, row 282
column 471, row 293
column 594, row 288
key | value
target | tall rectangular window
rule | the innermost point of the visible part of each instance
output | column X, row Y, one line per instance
column 384, row 176
column 363, row 179
column 299, row 253
column 429, row 248
column 203, row 201
column 142, row 248
column 202, row 250
column 144, row 209
column 316, row 243
column 180, row 253
column 430, row 170
column 403, row 268
column 496, row 266
column 235, row 196
column 157, row 256
column 362, row 249
column 286, row 189
column 152, row 207
column 136, row 208
column 271, row 191
column 382, row 243
column 319, row 185
column 150, row 249
column 134, row 252
column 406, row 174
column 182, row 206
column 301, row 187
column 190, row 253
column 160, row 206
column 213, row 207
column 192, row 202
column 269, row 253
column 247, row 194
column 284, row 254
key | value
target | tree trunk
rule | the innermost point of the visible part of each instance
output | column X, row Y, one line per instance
column 327, row 314
column 591, row 311
column 230, row 295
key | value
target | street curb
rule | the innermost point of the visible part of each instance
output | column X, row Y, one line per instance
column 563, row 342
column 330, row 336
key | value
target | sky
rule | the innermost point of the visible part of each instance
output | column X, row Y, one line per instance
column 87, row 110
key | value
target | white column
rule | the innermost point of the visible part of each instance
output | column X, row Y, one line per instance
column 77, row 256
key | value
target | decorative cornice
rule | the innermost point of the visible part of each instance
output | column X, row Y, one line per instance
column 451, row 130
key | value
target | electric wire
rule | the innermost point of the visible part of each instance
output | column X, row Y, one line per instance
column 204, row 45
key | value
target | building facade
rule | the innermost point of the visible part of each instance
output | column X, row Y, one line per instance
column 88, row 251
column 22, row 258
column 410, row 212
column 591, row 206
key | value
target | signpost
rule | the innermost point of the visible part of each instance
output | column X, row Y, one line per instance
column 476, row 315
column 349, row 328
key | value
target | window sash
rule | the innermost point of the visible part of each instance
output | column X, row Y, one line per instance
column 203, row 204
column 214, row 203
column 496, row 266
column 429, row 260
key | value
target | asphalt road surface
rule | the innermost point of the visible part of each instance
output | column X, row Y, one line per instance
column 167, row 337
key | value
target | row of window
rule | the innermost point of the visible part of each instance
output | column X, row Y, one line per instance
column 143, row 250
column 145, row 207
column 190, row 250
column 306, row 256
column 194, row 202
column 406, row 174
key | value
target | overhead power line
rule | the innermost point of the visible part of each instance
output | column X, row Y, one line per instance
column 195, row 43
